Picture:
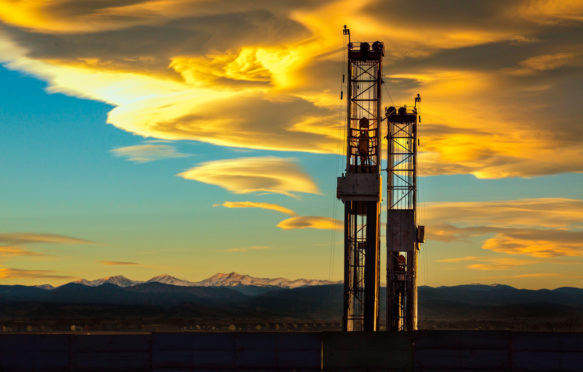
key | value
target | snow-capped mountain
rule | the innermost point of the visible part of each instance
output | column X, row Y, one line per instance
column 45, row 286
column 172, row 280
column 218, row 280
column 234, row 279
column 119, row 280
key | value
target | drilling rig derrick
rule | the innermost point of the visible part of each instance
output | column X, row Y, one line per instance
column 403, row 234
column 360, row 187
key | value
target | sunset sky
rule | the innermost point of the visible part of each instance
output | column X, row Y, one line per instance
column 192, row 137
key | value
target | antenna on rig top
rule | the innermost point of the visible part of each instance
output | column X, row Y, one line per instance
column 346, row 31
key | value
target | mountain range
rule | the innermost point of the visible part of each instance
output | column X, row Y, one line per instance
column 218, row 280
column 235, row 297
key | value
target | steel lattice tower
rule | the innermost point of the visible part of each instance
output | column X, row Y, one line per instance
column 403, row 234
column 360, row 187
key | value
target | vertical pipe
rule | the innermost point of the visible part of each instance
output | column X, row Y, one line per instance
column 356, row 307
column 347, row 248
column 370, row 270
column 348, row 108
column 416, row 244
column 390, row 260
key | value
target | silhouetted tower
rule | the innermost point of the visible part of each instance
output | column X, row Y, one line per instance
column 360, row 186
column 403, row 234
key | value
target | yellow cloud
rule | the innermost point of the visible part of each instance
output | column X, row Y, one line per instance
column 490, row 263
column 147, row 152
column 459, row 259
column 118, row 263
column 249, row 89
column 537, row 275
column 539, row 212
column 544, row 63
column 537, row 243
column 498, row 264
column 16, row 251
column 10, row 243
column 69, row 16
column 249, row 204
column 31, row 238
column 551, row 12
column 469, row 138
column 312, row 222
column 10, row 273
column 249, row 64
column 251, row 175
column 545, row 227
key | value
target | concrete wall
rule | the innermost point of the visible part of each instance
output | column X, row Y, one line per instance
column 422, row 351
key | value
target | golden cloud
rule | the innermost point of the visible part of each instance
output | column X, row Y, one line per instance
column 490, row 263
column 33, row 238
column 537, row 243
column 480, row 143
column 147, row 152
column 10, row 243
column 65, row 16
column 118, row 263
column 249, row 204
column 537, row 275
column 10, row 273
column 252, row 175
column 295, row 222
column 311, row 222
column 545, row 62
column 551, row 12
column 545, row 227
column 539, row 212
column 266, row 75
column 6, row 250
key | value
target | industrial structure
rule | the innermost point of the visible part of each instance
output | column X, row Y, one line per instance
column 360, row 189
column 403, row 234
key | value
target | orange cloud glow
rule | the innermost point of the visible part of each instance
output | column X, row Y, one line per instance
column 537, row 275
column 10, row 273
column 267, row 75
column 490, row 263
column 118, row 263
column 147, row 152
column 311, row 222
column 16, row 251
column 537, row 243
column 252, row 175
column 249, row 204
column 540, row 212
column 545, row 227
column 31, row 238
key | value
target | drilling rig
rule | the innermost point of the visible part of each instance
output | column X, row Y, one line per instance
column 360, row 190
column 360, row 186
column 403, row 234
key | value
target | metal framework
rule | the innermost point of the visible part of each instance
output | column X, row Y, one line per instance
column 403, row 235
column 360, row 187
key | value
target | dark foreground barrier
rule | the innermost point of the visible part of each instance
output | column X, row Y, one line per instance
column 334, row 351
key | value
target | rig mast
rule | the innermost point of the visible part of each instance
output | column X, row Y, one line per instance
column 360, row 187
column 403, row 234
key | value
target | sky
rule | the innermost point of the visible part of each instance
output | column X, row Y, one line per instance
column 191, row 137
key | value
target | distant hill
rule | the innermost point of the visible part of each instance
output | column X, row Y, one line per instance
column 455, row 307
column 499, row 295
